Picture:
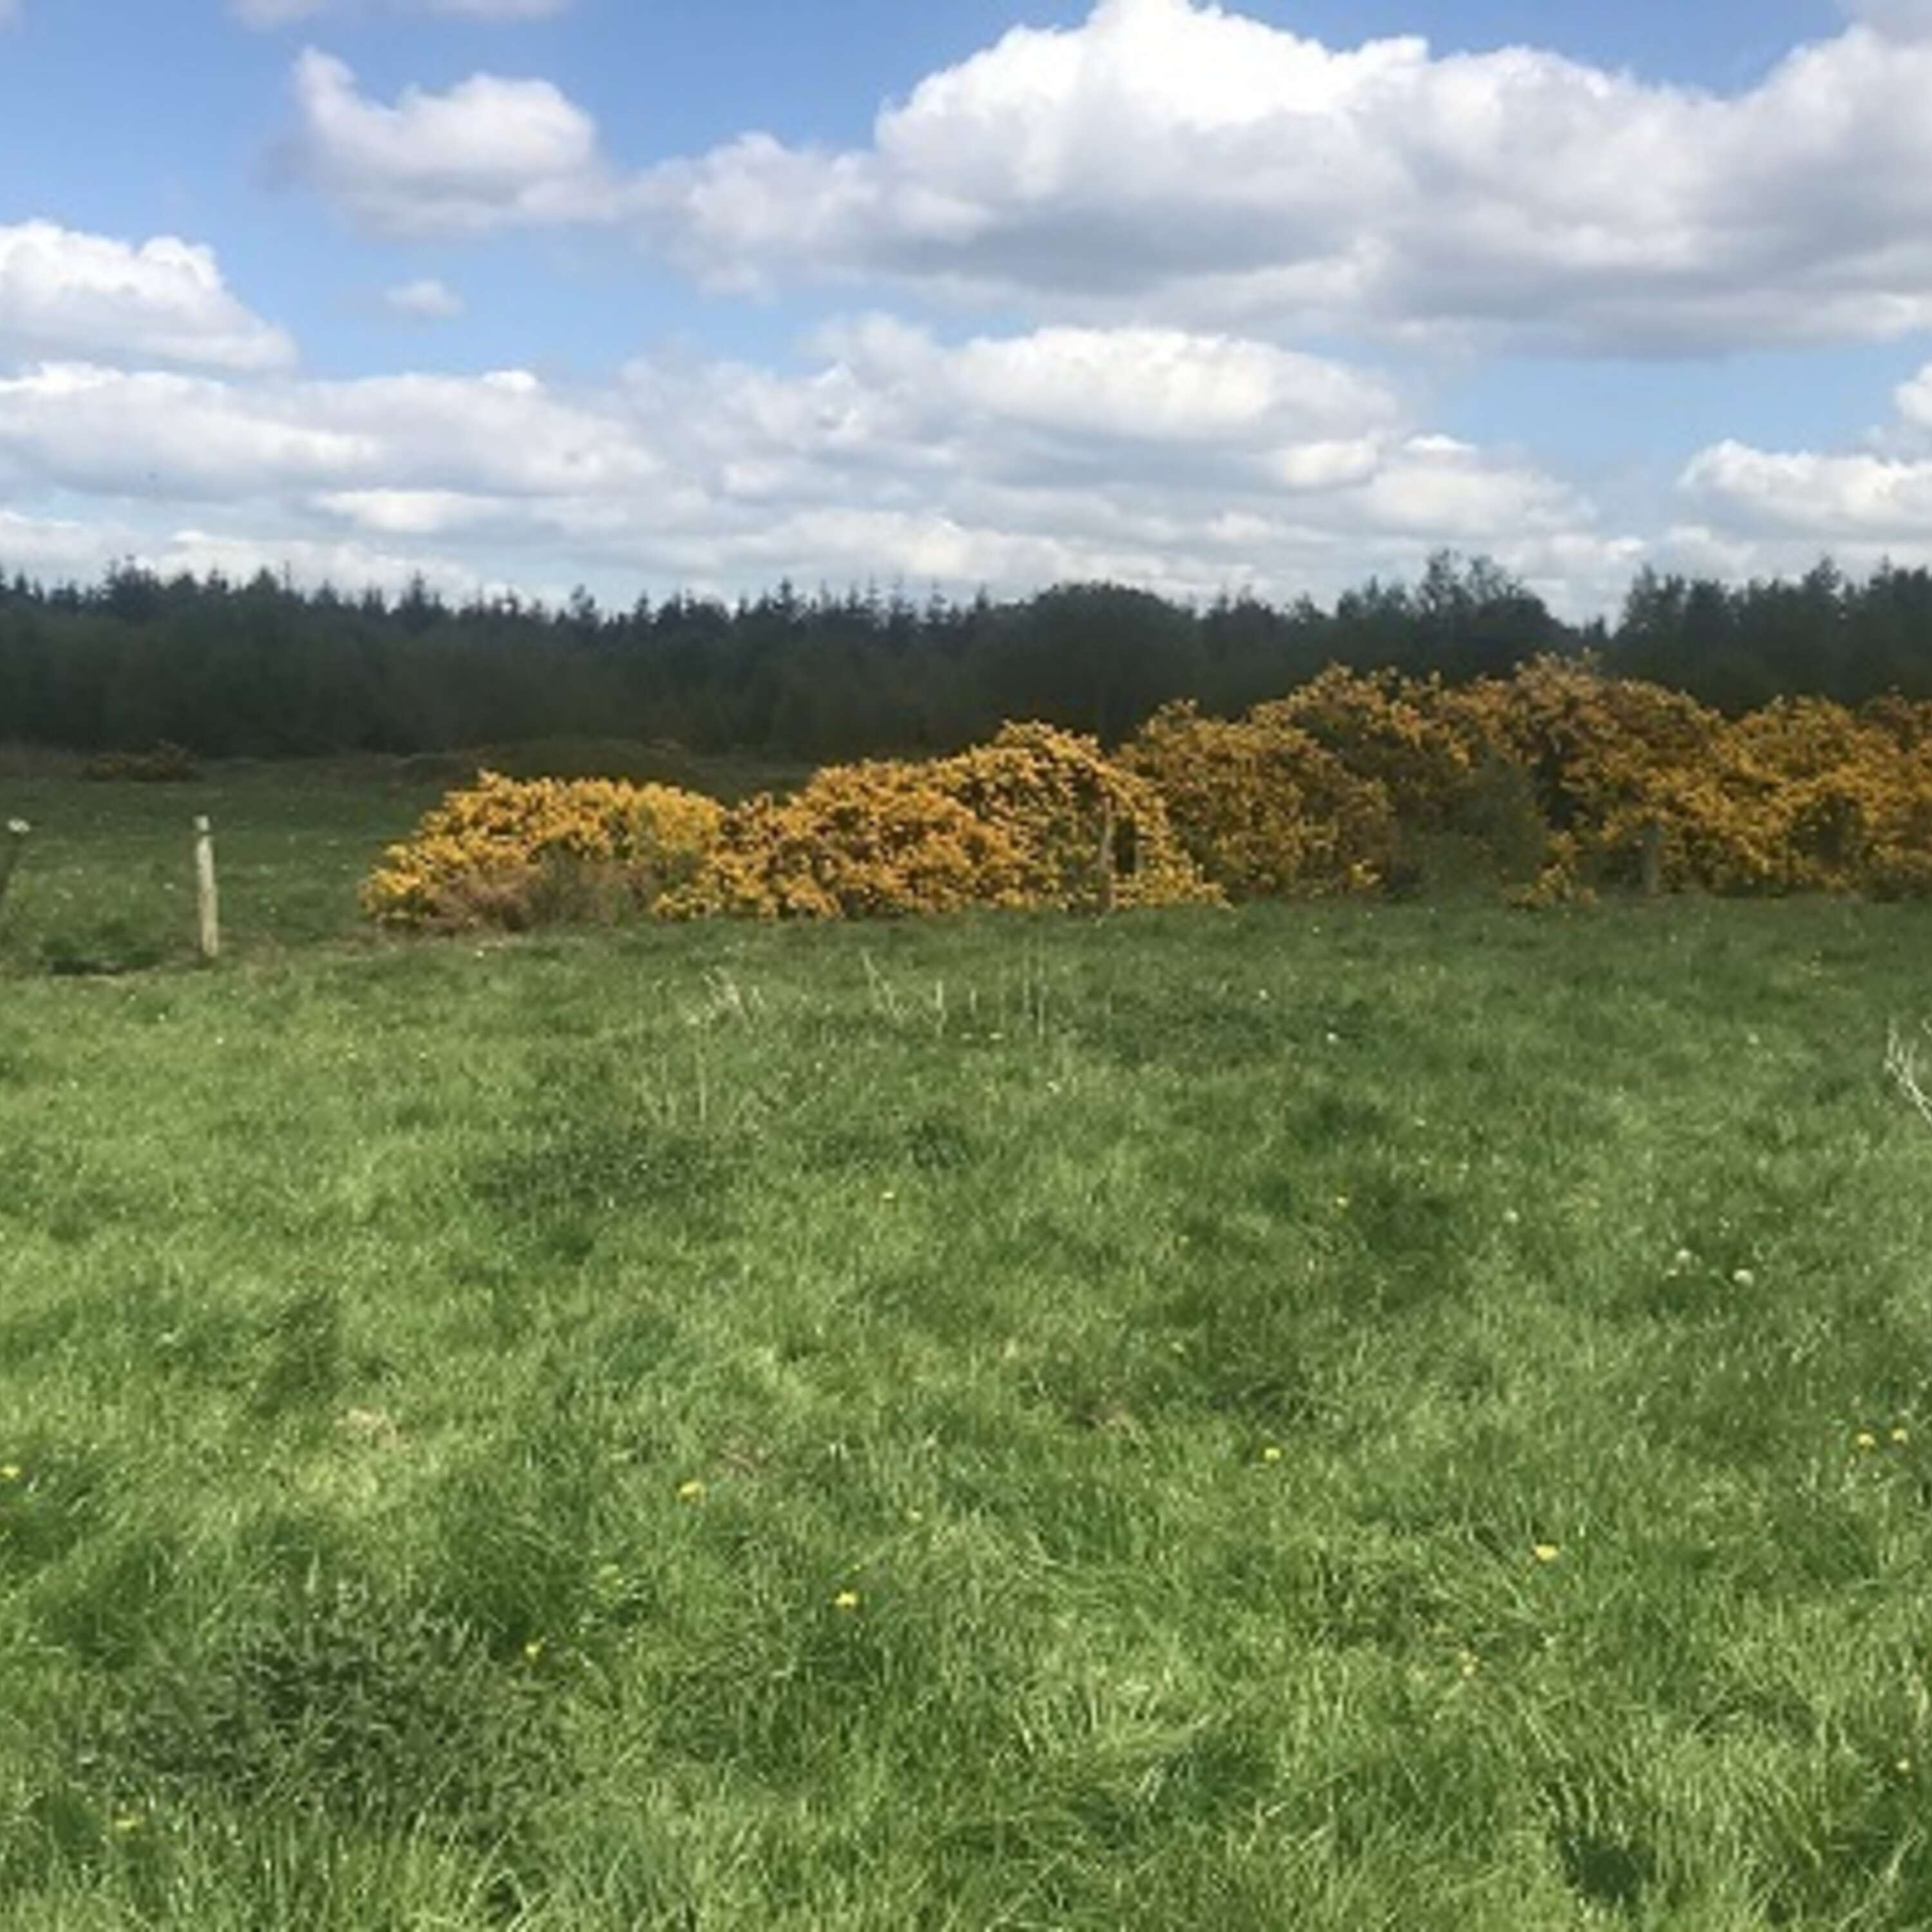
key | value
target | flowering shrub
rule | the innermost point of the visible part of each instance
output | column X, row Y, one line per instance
column 1566, row 780
column 1418, row 739
column 515, row 853
column 1090, row 829
column 877, row 838
column 1037, row 817
column 1261, row 807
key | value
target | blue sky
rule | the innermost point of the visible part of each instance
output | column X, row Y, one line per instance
column 551, row 292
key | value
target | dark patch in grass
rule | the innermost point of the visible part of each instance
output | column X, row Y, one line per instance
column 1605, row 1871
column 52, row 1503
column 302, row 1354
column 515, row 1528
column 585, row 1167
column 1335, row 1119
column 104, row 1604
column 1158, row 1026
column 334, row 1700
column 108, row 947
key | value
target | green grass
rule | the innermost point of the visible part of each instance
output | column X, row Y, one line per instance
column 1179, row 1333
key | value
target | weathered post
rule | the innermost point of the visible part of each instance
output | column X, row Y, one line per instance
column 1106, row 853
column 207, row 904
column 17, row 830
column 1653, row 857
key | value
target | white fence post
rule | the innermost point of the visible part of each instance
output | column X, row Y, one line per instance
column 207, row 903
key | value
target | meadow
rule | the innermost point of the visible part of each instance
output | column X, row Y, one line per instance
column 1325, row 1416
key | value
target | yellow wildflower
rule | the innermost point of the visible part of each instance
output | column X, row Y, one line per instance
column 846, row 1600
column 1545, row 1552
column 1865, row 1439
column 1901, row 1434
column 689, row 1492
column 10, row 1472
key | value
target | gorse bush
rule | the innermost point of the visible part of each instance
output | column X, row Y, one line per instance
column 1038, row 818
column 517, row 853
column 1555, row 781
column 1263, row 807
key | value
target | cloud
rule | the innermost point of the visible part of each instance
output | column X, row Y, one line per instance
column 488, row 154
column 1823, row 498
column 64, row 292
column 1189, row 462
column 1904, row 20
column 143, row 433
column 1173, row 160
column 426, row 300
column 1760, row 511
column 265, row 14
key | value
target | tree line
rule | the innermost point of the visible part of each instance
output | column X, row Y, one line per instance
column 261, row 668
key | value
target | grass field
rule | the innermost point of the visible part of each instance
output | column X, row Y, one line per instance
column 1333, row 1418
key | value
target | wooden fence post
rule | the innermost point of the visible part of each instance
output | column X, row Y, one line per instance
column 1653, row 858
column 17, row 830
column 207, row 904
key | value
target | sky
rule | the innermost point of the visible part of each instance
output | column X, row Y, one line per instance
column 1268, row 299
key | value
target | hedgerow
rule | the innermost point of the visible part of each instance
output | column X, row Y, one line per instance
column 1605, row 782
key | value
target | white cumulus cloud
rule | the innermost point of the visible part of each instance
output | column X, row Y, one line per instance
column 1175, row 159
column 1761, row 511
column 67, row 293
column 489, row 153
column 1186, row 462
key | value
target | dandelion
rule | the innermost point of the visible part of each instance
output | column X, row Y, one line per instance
column 533, row 1650
column 1272, row 1453
column 10, row 1472
column 690, row 1492
column 1865, row 1439
column 1341, row 1200
column 890, row 1194
column 847, row 1600
column 1901, row 1434
column 1904, row 1767
column 1545, row 1552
